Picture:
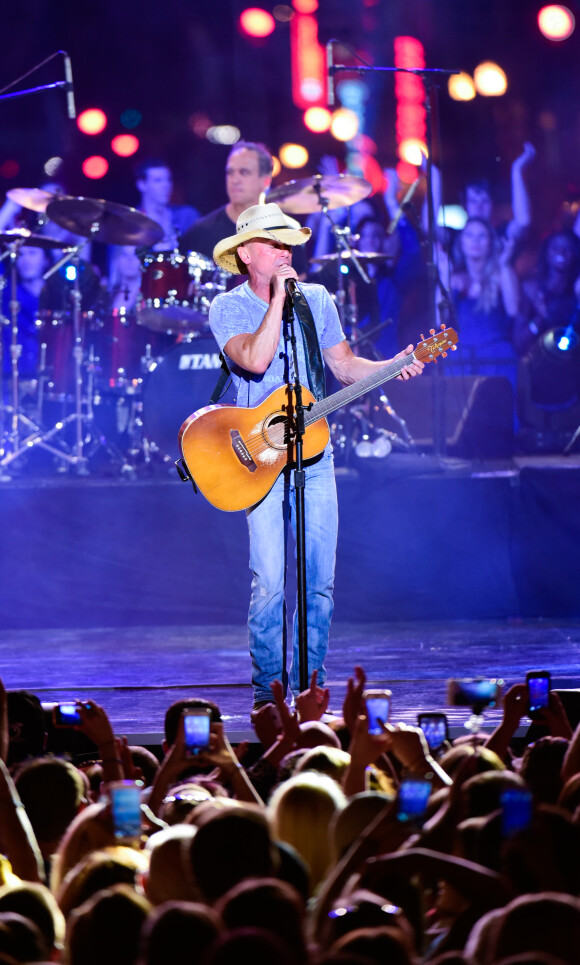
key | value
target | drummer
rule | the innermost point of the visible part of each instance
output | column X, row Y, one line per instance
column 248, row 176
column 155, row 185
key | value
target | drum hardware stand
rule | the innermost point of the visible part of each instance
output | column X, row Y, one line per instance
column 407, row 439
column 342, row 243
column 17, row 446
column 39, row 436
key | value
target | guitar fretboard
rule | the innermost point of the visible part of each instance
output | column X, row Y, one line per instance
column 350, row 392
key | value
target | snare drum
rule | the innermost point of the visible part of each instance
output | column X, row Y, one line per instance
column 177, row 291
column 180, row 383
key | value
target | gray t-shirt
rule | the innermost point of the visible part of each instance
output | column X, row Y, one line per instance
column 240, row 311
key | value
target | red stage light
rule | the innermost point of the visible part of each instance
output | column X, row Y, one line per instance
column 257, row 22
column 308, row 62
column 305, row 6
column 95, row 167
column 125, row 144
column 410, row 95
column 92, row 121
column 9, row 169
column 407, row 172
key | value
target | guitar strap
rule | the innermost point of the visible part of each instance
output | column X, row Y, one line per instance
column 312, row 353
column 220, row 384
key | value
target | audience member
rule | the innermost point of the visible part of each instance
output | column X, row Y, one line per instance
column 154, row 180
column 324, row 871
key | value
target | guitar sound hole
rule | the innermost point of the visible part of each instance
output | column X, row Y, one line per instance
column 276, row 431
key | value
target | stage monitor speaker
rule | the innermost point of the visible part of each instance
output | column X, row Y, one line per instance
column 478, row 412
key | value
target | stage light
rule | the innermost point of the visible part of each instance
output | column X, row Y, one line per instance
column 344, row 125
column 308, row 62
column 556, row 22
column 490, row 80
column 95, row 167
column 317, row 119
column 223, row 134
column 256, row 22
column 559, row 341
column 52, row 166
column 200, row 124
column 9, row 169
column 461, row 87
column 413, row 151
column 305, row 6
column 293, row 155
column 548, row 390
column 92, row 121
column 125, row 144
column 276, row 166
column 452, row 216
column 131, row 118
column 407, row 172
column 282, row 12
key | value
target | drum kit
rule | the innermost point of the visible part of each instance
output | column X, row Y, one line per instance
column 97, row 364
column 121, row 380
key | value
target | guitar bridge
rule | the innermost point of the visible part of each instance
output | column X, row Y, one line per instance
column 241, row 451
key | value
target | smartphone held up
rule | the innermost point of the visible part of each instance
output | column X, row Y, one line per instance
column 538, row 683
column 196, row 729
column 378, row 704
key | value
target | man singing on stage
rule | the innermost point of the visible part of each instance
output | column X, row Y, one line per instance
column 249, row 324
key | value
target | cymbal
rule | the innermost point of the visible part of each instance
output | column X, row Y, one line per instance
column 35, row 199
column 347, row 254
column 304, row 196
column 107, row 221
column 26, row 237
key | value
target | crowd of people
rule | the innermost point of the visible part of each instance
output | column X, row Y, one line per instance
column 299, row 847
column 501, row 298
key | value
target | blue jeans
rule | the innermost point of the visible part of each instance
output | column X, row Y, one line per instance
column 268, row 528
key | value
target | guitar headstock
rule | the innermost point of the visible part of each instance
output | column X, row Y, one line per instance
column 438, row 344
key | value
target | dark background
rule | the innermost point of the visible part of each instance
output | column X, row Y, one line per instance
column 173, row 59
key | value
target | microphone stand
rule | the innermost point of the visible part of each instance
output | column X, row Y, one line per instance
column 296, row 430
column 34, row 90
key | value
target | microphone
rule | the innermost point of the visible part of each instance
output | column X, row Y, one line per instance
column 330, row 74
column 70, row 91
column 290, row 286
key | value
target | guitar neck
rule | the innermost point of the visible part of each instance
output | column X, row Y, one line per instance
column 351, row 392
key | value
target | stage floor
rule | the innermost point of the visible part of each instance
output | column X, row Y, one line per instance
column 137, row 672
column 135, row 593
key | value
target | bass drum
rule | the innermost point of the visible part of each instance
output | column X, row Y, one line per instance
column 178, row 385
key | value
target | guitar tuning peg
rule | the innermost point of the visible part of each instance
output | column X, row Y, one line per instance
column 422, row 337
column 431, row 331
column 443, row 326
column 444, row 355
column 454, row 348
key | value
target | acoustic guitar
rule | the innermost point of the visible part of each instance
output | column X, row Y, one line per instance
column 234, row 454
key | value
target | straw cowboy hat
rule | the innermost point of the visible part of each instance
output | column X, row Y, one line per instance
column 260, row 221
